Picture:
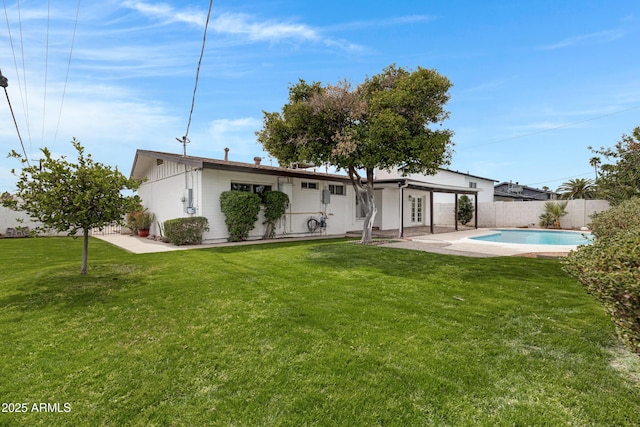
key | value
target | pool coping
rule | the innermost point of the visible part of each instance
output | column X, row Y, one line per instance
column 461, row 241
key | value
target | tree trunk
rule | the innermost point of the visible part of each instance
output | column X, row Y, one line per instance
column 365, row 195
column 85, row 251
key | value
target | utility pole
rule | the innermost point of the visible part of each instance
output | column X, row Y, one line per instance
column 4, row 82
column 184, row 141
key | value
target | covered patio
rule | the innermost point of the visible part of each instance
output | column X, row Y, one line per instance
column 404, row 184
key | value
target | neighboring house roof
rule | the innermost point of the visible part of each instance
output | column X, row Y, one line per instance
column 521, row 192
column 469, row 175
column 145, row 158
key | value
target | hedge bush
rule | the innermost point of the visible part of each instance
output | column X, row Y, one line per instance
column 241, row 210
column 275, row 206
column 625, row 216
column 609, row 269
column 186, row 231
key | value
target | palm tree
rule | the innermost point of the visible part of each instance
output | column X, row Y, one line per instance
column 595, row 162
column 552, row 214
column 579, row 188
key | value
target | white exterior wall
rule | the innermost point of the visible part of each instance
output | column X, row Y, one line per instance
column 164, row 195
column 445, row 177
column 163, row 198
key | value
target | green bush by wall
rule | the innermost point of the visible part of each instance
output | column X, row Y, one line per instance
column 186, row 231
column 241, row 211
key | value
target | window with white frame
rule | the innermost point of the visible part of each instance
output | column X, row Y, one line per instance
column 309, row 185
column 259, row 189
column 337, row 190
column 473, row 184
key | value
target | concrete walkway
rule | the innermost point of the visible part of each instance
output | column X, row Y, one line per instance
column 455, row 243
column 142, row 245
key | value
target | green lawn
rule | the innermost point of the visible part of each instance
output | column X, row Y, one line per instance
column 327, row 333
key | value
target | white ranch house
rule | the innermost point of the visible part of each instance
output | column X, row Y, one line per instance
column 180, row 186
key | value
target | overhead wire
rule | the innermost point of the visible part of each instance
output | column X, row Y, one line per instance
column 4, row 84
column 66, row 79
column 193, row 98
column 566, row 125
column 46, row 71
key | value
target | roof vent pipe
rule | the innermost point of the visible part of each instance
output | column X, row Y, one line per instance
column 226, row 154
column 257, row 160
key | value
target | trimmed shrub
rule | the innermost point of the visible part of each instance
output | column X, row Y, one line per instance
column 465, row 209
column 609, row 269
column 275, row 206
column 241, row 210
column 186, row 231
column 625, row 216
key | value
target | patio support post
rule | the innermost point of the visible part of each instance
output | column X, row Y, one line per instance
column 431, row 210
column 455, row 211
column 401, row 211
column 476, row 213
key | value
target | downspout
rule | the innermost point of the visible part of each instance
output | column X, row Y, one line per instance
column 402, row 187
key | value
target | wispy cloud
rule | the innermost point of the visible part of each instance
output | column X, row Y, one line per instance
column 245, row 27
column 166, row 13
column 585, row 39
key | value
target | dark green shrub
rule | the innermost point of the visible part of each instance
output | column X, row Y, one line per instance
column 241, row 211
column 465, row 209
column 186, row 231
column 275, row 206
column 609, row 269
column 625, row 216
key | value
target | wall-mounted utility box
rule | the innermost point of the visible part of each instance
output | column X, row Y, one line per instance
column 326, row 197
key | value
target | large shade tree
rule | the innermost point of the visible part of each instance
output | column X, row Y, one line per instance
column 619, row 176
column 392, row 119
column 72, row 197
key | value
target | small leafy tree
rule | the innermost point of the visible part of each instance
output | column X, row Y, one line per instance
column 620, row 180
column 240, row 209
column 465, row 209
column 552, row 214
column 275, row 206
column 391, row 120
column 72, row 197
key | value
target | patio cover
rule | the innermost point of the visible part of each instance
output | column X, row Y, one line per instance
column 431, row 188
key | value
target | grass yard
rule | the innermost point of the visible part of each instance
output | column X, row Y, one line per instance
column 326, row 333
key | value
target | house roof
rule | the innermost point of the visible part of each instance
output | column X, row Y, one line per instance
column 145, row 158
column 424, row 186
column 504, row 189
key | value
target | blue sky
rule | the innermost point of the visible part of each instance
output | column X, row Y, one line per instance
column 535, row 82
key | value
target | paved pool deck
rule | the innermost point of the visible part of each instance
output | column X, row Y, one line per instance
column 453, row 243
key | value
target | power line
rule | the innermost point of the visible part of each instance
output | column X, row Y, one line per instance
column 556, row 127
column 46, row 70
column 4, row 82
column 23, row 97
column 193, row 98
column 66, row 79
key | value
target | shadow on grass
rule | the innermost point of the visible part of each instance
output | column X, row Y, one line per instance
column 64, row 286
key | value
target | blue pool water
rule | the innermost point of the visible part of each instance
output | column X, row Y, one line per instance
column 537, row 237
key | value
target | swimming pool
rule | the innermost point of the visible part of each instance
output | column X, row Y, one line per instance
column 537, row 237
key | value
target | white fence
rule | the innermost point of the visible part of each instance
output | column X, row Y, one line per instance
column 523, row 214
